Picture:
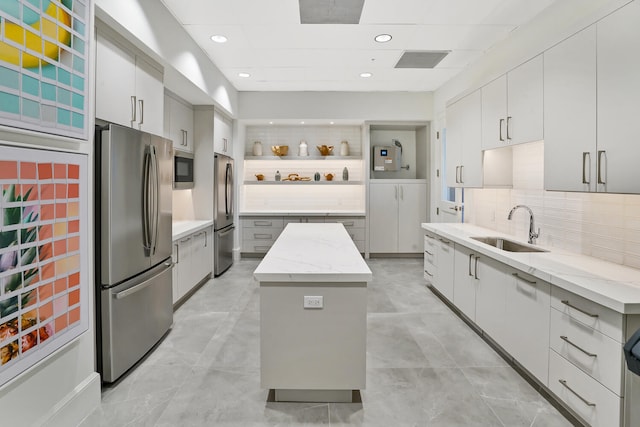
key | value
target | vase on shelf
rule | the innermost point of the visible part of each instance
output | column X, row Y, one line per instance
column 303, row 149
column 345, row 174
column 344, row 148
column 278, row 177
column 257, row 148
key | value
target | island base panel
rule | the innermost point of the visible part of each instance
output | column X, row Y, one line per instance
column 337, row 396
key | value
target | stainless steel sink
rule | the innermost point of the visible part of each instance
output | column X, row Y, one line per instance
column 508, row 245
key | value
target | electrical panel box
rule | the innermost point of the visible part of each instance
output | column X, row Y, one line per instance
column 385, row 158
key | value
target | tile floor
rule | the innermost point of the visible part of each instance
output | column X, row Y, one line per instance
column 425, row 367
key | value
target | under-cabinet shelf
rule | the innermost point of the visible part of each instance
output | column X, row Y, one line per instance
column 250, row 157
column 303, row 182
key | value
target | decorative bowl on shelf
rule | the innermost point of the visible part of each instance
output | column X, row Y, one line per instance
column 325, row 150
column 260, row 177
column 280, row 150
column 329, row 176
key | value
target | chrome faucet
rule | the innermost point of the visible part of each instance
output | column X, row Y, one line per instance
column 532, row 228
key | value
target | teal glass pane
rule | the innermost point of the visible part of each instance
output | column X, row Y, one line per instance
column 48, row 91
column 79, row 26
column 29, row 16
column 78, row 8
column 64, row 96
column 11, row 7
column 9, row 103
column 30, row 85
column 30, row 108
column 78, row 82
column 9, row 78
column 78, row 64
column 35, row 3
column 77, row 120
column 64, row 76
column 68, row 4
column 77, row 101
column 78, row 44
column 49, row 71
column 64, row 117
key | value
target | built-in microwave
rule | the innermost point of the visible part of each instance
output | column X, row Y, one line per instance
column 182, row 170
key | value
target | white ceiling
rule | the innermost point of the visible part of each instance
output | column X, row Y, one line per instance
column 266, row 40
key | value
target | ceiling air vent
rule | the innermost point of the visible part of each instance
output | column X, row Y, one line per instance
column 330, row 11
column 421, row 59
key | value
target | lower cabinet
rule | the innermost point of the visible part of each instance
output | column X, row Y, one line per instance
column 464, row 281
column 193, row 261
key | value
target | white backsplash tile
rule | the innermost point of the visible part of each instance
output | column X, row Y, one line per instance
column 605, row 226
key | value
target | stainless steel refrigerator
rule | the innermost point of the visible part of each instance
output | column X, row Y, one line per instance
column 133, row 245
column 223, row 210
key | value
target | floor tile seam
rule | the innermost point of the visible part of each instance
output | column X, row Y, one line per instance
column 142, row 417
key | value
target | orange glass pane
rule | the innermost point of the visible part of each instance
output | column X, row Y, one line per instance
column 73, row 263
column 29, row 192
column 61, row 210
column 74, row 191
column 74, row 171
column 59, row 171
column 74, row 316
column 61, row 191
column 59, row 229
column 60, row 247
column 47, row 271
column 45, row 292
column 45, row 171
column 74, row 297
column 74, row 226
column 46, row 191
column 45, row 311
column 62, row 266
column 74, row 280
column 60, row 285
column 45, row 252
column 73, row 209
column 45, row 232
column 8, row 169
column 61, row 322
column 47, row 212
column 73, row 244
column 27, row 170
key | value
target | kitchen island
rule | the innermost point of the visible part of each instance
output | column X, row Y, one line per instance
column 313, row 314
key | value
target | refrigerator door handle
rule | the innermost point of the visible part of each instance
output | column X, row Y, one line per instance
column 226, row 189
column 155, row 185
column 224, row 233
column 146, row 237
column 141, row 286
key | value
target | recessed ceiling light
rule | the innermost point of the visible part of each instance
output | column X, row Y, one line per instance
column 330, row 123
column 383, row 38
column 244, row 75
column 270, row 123
column 219, row 38
column 366, row 75
column 301, row 123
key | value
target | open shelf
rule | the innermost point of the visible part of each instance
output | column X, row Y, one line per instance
column 331, row 157
column 303, row 182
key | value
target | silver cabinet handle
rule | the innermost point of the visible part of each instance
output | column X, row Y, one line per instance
column 500, row 129
column 586, row 155
column 348, row 224
column 508, row 121
column 206, row 238
column 429, row 274
column 177, row 254
column 475, row 273
column 566, row 302
column 401, row 192
column 141, row 104
column 428, row 253
column 133, row 108
column 262, row 223
column 185, row 240
column 517, row 276
column 565, row 339
column 600, row 153
column 585, row 401
column 395, row 187
column 446, row 242
column 261, row 248
column 457, row 179
column 470, row 256
column 261, row 236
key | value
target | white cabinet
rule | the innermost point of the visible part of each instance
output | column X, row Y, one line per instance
column 396, row 212
column 512, row 106
column 222, row 134
column 178, row 123
column 129, row 89
column 570, row 113
column 618, row 109
column 491, row 297
column 192, row 257
column 443, row 275
column 465, row 281
column 464, row 142
column 528, row 302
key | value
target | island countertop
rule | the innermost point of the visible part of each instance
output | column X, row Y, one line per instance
column 313, row 253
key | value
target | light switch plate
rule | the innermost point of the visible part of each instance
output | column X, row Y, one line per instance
column 313, row 301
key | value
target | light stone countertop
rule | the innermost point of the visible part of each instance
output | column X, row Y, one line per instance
column 313, row 253
column 303, row 213
column 181, row 229
column 611, row 285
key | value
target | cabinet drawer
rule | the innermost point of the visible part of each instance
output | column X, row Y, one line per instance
column 356, row 233
column 347, row 222
column 303, row 219
column 257, row 246
column 429, row 270
column 360, row 245
column 592, row 314
column 257, row 234
column 593, row 352
column 593, row 402
column 262, row 222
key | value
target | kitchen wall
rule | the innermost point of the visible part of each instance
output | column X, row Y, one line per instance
column 605, row 226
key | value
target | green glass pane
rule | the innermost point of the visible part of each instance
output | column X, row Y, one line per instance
column 29, row 16
column 78, row 82
column 30, row 85
column 48, row 91
column 64, row 76
column 77, row 101
column 11, row 7
column 78, row 64
column 30, row 108
column 68, row 4
column 64, row 96
column 49, row 71
column 79, row 26
column 9, row 78
column 78, row 44
column 78, row 120
column 9, row 103
column 64, row 116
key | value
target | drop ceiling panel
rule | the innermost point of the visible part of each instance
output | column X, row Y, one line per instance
column 400, row 12
column 452, row 37
column 235, row 12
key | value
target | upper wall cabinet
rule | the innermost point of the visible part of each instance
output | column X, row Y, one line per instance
column 570, row 113
column 512, row 107
column 222, row 134
column 178, row 123
column 464, row 142
column 618, row 89
column 129, row 89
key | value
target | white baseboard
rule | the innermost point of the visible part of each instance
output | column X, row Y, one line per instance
column 75, row 406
